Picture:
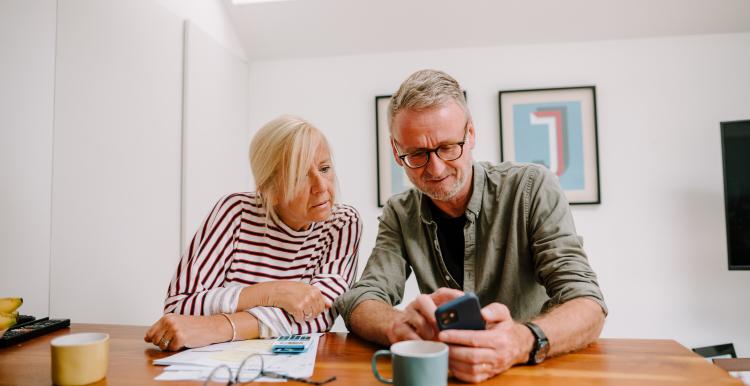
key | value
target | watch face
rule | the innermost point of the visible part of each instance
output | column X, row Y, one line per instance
column 541, row 354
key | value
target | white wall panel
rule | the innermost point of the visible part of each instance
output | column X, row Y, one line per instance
column 657, row 240
column 27, row 64
column 115, row 207
column 216, row 137
column 213, row 19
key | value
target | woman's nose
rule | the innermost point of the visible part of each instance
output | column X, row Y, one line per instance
column 318, row 183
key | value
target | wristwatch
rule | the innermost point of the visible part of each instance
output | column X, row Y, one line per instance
column 541, row 344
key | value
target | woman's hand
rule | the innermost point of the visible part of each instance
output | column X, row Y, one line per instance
column 173, row 332
column 302, row 301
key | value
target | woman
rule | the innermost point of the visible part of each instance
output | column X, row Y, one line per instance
column 271, row 262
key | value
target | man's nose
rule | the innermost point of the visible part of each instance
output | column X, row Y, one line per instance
column 435, row 166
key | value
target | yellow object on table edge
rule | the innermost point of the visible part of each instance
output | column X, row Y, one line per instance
column 8, row 313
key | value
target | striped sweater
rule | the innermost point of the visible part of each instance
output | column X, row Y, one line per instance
column 238, row 246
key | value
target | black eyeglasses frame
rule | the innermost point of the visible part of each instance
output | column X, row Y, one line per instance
column 461, row 144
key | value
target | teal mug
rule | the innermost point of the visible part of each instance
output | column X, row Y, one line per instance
column 415, row 363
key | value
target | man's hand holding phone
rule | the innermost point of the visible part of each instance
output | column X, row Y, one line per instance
column 418, row 321
column 475, row 355
column 478, row 355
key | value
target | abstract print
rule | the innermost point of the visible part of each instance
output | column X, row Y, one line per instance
column 551, row 134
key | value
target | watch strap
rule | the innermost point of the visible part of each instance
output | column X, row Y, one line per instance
column 539, row 338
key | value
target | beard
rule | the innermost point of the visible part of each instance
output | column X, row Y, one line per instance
column 444, row 191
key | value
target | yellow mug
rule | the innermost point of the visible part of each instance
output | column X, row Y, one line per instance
column 79, row 359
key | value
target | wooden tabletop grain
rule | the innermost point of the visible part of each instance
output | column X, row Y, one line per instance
column 606, row 362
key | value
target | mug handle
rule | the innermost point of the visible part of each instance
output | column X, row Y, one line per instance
column 375, row 365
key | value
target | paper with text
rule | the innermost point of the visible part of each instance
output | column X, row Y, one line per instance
column 196, row 364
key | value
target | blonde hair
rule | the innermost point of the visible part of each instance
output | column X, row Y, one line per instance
column 425, row 89
column 281, row 154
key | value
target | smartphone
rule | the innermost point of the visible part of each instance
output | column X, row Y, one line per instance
column 462, row 313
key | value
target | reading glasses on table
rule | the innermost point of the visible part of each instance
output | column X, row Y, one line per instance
column 250, row 370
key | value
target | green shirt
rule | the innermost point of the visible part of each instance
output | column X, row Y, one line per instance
column 520, row 246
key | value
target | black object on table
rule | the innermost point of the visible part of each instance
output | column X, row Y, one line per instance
column 31, row 329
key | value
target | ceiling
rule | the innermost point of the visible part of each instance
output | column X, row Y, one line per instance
column 313, row 28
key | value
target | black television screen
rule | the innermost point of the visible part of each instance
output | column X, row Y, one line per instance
column 735, row 146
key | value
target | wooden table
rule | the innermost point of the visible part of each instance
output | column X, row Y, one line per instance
column 733, row 364
column 609, row 361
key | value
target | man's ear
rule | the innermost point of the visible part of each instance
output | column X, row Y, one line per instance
column 395, row 152
column 471, row 136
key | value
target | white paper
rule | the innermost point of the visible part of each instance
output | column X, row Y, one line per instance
column 744, row 376
column 197, row 364
column 183, row 375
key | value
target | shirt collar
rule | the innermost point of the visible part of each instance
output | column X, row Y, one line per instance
column 475, row 202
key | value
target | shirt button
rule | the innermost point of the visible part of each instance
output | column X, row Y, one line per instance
column 448, row 277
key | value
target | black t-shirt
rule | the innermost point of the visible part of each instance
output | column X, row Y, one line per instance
column 451, row 238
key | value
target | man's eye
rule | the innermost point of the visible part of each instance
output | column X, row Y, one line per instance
column 417, row 157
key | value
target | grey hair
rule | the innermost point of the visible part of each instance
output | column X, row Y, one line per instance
column 425, row 89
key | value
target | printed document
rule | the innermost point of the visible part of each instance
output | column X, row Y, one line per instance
column 196, row 364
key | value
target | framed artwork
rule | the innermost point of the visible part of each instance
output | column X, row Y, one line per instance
column 554, row 127
column 391, row 176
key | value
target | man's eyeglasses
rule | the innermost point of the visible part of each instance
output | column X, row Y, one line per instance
column 250, row 369
column 448, row 152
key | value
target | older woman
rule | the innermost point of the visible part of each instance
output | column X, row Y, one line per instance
column 271, row 262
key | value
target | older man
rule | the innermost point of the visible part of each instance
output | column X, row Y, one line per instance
column 503, row 231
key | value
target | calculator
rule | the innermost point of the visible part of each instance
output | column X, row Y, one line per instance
column 291, row 344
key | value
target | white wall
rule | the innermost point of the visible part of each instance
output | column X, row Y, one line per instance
column 113, row 207
column 215, row 133
column 211, row 16
column 116, row 180
column 137, row 162
column 657, row 240
column 27, row 59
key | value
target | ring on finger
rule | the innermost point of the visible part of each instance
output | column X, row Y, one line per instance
column 164, row 341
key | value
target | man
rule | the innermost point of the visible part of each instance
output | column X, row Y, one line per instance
column 503, row 231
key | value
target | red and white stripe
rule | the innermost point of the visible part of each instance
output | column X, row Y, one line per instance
column 236, row 246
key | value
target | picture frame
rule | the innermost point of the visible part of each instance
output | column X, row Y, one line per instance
column 391, row 177
column 555, row 127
